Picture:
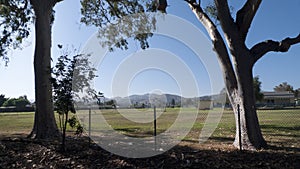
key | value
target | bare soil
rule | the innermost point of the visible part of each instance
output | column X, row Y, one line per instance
column 16, row 151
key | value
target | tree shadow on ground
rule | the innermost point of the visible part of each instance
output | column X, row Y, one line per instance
column 25, row 153
column 222, row 139
column 280, row 128
column 283, row 148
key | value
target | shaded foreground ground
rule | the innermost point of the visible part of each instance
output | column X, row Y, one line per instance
column 18, row 152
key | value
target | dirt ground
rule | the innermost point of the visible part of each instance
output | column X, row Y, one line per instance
column 16, row 151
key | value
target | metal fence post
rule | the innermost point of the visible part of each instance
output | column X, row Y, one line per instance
column 90, row 125
column 154, row 127
column 239, row 128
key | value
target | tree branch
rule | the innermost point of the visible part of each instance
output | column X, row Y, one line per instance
column 25, row 5
column 218, row 44
column 225, row 17
column 260, row 49
column 113, row 9
column 228, row 25
column 245, row 16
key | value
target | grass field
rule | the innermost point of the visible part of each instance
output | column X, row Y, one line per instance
column 11, row 123
column 279, row 127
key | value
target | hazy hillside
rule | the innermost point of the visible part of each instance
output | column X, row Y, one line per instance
column 149, row 99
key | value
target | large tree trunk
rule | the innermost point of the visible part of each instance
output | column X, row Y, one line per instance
column 243, row 96
column 239, row 81
column 44, row 121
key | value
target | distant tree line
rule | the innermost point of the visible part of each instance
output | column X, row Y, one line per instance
column 287, row 87
column 21, row 104
column 283, row 87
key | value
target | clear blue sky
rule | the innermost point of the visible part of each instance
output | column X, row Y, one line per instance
column 275, row 20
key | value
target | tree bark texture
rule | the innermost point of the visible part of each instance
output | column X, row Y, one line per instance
column 237, row 72
column 251, row 136
column 44, row 121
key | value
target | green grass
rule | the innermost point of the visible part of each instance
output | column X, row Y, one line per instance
column 281, row 126
column 16, row 122
column 278, row 126
column 19, row 122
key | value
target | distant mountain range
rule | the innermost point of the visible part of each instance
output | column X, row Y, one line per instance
column 147, row 99
column 161, row 99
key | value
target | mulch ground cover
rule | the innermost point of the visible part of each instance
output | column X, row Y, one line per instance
column 20, row 152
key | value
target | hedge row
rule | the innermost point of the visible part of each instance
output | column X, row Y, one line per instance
column 16, row 109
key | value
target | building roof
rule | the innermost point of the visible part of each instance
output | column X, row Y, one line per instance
column 274, row 95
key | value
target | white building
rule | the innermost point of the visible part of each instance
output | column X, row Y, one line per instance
column 278, row 98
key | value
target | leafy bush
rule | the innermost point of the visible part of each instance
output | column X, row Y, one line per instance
column 62, row 81
column 2, row 99
column 20, row 103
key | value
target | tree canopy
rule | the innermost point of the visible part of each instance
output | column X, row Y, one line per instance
column 2, row 99
column 284, row 87
column 15, row 19
column 105, row 14
column 257, row 89
column 20, row 102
